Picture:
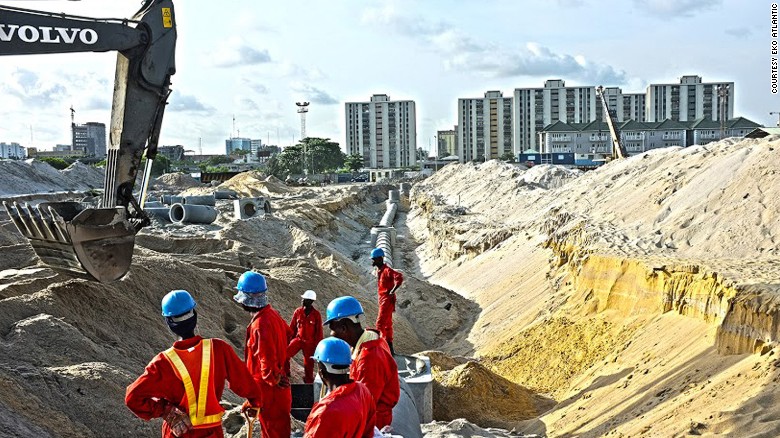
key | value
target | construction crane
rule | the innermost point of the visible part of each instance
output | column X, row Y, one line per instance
column 617, row 146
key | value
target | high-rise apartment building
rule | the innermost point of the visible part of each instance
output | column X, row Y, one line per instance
column 447, row 143
column 484, row 127
column 12, row 150
column 536, row 108
column 90, row 138
column 689, row 100
column 382, row 131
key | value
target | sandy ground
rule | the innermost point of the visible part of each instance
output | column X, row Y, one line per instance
column 639, row 299
column 640, row 296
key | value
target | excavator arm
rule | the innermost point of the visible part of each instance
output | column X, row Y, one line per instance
column 96, row 241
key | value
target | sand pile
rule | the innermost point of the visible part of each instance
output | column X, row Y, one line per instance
column 472, row 392
column 90, row 176
column 617, row 290
column 548, row 176
column 177, row 181
column 461, row 428
column 254, row 184
column 33, row 176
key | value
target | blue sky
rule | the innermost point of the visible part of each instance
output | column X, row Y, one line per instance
column 255, row 59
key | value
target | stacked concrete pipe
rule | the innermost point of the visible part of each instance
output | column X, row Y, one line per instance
column 384, row 235
column 192, row 214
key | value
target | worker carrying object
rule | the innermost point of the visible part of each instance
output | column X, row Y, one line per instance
column 372, row 363
column 184, row 383
column 306, row 326
column 267, row 338
column 388, row 281
column 348, row 410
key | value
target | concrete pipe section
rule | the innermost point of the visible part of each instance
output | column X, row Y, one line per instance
column 209, row 200
column 192, row 214
column 225, row 194
column 250, row 207
column 163, row 213
column 383, row 236
column 171, row 199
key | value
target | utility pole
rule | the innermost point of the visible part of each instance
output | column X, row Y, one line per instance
column 72, row 127
column 303, row 108
column 771, row 113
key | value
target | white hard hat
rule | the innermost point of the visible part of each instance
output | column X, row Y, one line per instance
column 309, row 295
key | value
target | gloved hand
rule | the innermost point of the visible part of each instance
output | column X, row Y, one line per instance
column 178, row 420
column 249, row 410
column 284, row 382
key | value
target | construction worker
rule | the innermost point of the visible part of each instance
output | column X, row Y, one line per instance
column 372, row 363
column 184, row 384
column 306, row 324
column 348, row 410
column 388, row 281
column 267, row 338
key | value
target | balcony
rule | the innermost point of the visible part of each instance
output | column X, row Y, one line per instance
column 634, row 136
column 560, row 138
column 709, row 136
column 672, row 136
column 599, row 137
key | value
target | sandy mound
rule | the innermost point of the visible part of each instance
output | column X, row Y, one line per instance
column 175, row 182
column 33, row 176
column 550, row 176
column 90, row 176
column 473, row 392
column 254, row 184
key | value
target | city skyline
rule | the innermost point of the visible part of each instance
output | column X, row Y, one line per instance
column 255, row 67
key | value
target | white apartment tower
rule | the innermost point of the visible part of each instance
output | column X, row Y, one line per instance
column 484, row 127
column 689, row 100
column 536, row 108
column 382, row 131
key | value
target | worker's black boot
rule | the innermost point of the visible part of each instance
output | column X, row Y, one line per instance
column 392, row 351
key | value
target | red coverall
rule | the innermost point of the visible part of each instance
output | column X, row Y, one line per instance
column 387, row 279
column 308, row 330
column 267, row 338
column 346, row 412
column 375, row 367
column 160, row 384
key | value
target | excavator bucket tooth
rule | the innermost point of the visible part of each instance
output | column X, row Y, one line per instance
column 94, row 243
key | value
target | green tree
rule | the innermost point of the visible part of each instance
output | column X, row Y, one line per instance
column 160, row 165
column 322, row 155
column 509, row 157
column 220, row 159
column 354, row 162
column 56, row 162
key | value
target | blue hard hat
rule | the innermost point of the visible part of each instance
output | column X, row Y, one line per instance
column 377, row 252
column 177, row 302
column 342, row 307
column 251, row 283
column 333, row 351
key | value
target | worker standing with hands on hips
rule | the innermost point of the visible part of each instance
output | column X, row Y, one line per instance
column 388, row 281
column 372, row 363
column 267, row 338
column 348, row 409
column 306, row 325
column 184, row 383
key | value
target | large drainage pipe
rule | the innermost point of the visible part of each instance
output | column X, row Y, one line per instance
column 192, row 214
column 210, row 200
column 383, row 236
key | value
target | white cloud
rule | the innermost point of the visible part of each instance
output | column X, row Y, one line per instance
column 188, row 103
column 313, row 94
column 739, row 32
column 461, row 52
column 675, row 8
column 239, row 53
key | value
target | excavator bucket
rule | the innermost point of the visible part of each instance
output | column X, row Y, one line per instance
column 94, row 243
